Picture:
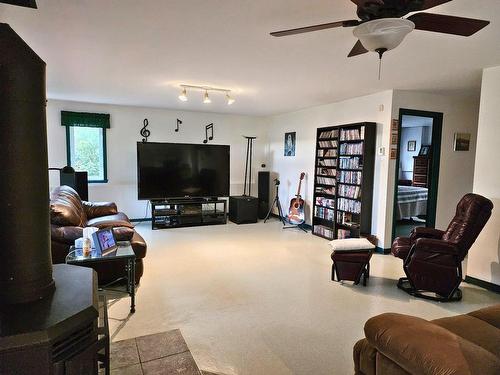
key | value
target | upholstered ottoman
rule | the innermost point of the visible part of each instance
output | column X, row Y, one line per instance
column 351, row 259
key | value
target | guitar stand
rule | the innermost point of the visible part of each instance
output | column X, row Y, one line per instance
column 277, row 203
column 299, row 226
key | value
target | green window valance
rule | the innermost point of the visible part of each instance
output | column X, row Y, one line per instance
column 89, row 120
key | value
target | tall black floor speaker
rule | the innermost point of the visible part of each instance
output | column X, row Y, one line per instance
column 78, row 181
column 263, row 193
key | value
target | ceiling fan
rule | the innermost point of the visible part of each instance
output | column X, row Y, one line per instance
column 381, row 27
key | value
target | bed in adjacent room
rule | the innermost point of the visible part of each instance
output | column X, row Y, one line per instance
column 412, row 202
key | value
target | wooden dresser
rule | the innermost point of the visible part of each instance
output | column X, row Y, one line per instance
column 421, row 168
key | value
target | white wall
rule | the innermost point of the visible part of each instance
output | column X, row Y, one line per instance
column 126, row 122
column 405, row 156
column 456, row 171
column 305, row 123
column 484, row 256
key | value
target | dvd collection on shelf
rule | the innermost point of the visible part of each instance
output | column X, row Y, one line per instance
column 325, row 190
column 326, row 171
column 324, row 213
column 323, row 231
column 325, row 202
column 349, row 205
column 332, row 153
column 325, row 180
column 345, row 157
column 352, row 134
column 329, row 134
column 327, row 163
column 350, row 177
column 350, row 162
column 349, row 191
column 351, row 148
column 328, row 144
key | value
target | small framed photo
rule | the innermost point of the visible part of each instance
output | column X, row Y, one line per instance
column 412, row 146
column 394, row 139
column 290, row 144
column 394, row 153
column 394, row 125
column 424, row 151
column 461, row 142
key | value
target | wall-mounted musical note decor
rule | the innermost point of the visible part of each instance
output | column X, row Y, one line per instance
column 179, row 122
column 207, row 128
column 145, row 132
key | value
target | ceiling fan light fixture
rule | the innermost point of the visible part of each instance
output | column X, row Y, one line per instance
column 183, row 96
column 384, row 33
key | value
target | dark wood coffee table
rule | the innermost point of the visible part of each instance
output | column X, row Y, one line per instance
column 124, row 251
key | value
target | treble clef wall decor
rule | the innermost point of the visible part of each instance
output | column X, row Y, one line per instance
column 145, row 132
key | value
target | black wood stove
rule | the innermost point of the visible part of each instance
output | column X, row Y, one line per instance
column 48, row 315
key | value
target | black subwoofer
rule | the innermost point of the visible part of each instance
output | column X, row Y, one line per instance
column 243, row 209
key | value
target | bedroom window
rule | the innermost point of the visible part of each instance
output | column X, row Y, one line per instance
column 86, row 143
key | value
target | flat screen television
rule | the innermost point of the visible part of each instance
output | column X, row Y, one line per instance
column 177, row 170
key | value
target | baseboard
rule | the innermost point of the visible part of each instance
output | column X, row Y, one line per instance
column 483, row 284
column 140, row 220
column 381, row 250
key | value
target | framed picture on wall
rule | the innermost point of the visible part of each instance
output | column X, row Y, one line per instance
column 290, row 139
column 412, row 146
column 461, row 142
column 394, row 139
column 424, row 151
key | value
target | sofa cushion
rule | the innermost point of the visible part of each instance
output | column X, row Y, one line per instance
column 490, row 315
column 117, row 220
column 66, row 207
column 474, row 330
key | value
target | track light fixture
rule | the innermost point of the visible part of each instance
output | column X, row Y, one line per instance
column 206, row 97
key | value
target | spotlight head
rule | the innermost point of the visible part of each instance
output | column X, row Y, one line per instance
column 230, row 100
column 183, row 96
column 206, row 98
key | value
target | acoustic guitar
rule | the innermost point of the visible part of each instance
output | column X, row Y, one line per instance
column 296, row 211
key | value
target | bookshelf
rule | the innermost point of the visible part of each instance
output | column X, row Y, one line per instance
column 343, row 180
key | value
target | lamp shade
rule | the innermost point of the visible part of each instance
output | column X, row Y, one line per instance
column 384, row 33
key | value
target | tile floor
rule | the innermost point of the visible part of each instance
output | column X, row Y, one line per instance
column 157, row 354
column 255, row 299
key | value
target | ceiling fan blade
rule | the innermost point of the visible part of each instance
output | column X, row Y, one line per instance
column 361, row 3
column 447, row 24
column 307, row 29
column 432, row 3
column 358, row 49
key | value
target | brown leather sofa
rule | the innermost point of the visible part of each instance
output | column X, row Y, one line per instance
column 69, row 215
column 398, row 344
column 433, row 258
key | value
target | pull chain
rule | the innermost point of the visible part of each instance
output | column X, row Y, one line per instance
column 380, row 52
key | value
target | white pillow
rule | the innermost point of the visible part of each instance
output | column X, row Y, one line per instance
column 351, row 244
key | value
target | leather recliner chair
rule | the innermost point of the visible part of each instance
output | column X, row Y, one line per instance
column 69, row 215
column 397, row 344
column 433, row 258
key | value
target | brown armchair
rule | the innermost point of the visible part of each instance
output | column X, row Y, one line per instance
column 433, row 258
column 69, row 215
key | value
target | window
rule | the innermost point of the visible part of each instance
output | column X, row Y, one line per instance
column 86, row 143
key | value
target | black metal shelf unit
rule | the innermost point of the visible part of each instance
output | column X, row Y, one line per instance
column 174, row 213
column 343, row 180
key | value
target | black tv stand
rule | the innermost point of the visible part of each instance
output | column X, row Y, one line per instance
column 187, row 212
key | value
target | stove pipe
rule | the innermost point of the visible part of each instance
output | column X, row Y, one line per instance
column 25, row 257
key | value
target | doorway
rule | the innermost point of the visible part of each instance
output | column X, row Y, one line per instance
column 417, row 170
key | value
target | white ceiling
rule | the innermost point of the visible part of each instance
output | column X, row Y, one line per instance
column 138, row 52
